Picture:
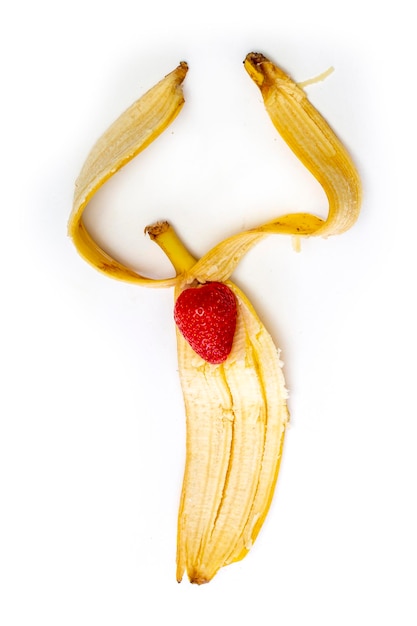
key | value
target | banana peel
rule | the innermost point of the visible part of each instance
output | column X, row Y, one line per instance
column 236, row 419
column 236, row 411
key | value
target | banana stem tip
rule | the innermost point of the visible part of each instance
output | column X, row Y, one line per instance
column 167, row 239
column 157, row 229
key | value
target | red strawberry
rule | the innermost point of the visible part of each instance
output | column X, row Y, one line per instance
column 206, row 316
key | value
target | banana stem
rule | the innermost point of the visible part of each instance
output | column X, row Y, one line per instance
column 167, row 239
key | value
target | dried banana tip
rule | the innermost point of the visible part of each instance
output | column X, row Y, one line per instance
column 182, row 70
column 252, row 64
column 262, row 71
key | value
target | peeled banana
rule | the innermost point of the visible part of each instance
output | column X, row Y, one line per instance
column 236, row 409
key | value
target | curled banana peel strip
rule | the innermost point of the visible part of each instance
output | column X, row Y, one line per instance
column 236, row 410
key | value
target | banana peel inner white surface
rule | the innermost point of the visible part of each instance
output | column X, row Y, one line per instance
column 236, row 419
column 236, row 411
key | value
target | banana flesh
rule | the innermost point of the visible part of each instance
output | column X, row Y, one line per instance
column 236, row 411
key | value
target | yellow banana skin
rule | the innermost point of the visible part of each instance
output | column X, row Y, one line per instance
column 236, row 419
column 131, row 133
column 236, row 411
column 312, row 140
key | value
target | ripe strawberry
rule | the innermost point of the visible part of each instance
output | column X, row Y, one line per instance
column 206, row 316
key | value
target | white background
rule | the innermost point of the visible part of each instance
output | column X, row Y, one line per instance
column 92, row 424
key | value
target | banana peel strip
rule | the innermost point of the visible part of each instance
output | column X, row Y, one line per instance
column 236, row 411
column 131, row 133
column 236, row 420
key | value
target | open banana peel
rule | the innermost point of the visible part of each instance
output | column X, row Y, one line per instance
column 231, row 375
